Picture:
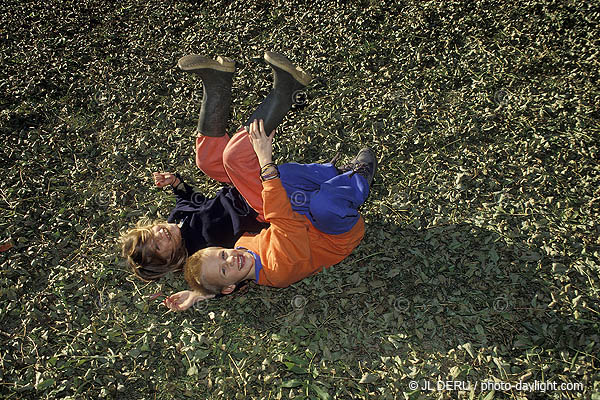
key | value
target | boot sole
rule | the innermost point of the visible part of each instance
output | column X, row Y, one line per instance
column 375, row 163
column 280, row 61
column 194, row 62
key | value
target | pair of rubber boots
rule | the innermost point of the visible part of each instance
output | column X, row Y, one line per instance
column 288, row 80
column 217, row 76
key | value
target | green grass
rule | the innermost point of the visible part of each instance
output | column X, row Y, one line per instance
column 481, row 256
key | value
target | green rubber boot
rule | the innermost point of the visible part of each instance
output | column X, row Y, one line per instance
column 217, row 76
column 288, row 79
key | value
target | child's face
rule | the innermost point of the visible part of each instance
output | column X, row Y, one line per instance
column 226, row 267
column 167, row 238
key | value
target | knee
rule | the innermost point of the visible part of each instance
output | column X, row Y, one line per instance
column 332, row 216
column 324, row 217
column 235, row 162
column 229, row 159
column 238, row 154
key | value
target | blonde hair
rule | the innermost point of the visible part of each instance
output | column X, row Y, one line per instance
column 193, row 272
column 143, row 259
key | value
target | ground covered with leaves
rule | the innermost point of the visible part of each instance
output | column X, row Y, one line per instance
column 481, row 258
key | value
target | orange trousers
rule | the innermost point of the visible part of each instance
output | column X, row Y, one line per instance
column 232, row 161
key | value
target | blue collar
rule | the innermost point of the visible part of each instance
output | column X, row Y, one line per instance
column 257, row 262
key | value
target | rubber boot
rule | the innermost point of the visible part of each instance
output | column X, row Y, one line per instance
column 217, row 76
column 287, row 81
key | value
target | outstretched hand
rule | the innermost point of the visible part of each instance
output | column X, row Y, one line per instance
column 262, row 144
column 162, row 179
column 185, row 299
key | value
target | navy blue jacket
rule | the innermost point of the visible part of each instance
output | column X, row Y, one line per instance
column 218, row 221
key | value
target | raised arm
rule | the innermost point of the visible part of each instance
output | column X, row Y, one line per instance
column 262, row 144
column 289, row 257
column 275, row 201
column 182, row 190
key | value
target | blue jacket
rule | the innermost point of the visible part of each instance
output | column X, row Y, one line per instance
column 217, row 221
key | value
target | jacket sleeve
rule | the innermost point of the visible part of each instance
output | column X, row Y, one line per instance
column 186, row 193
column 288, row 248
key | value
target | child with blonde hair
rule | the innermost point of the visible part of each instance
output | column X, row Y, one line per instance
column 153, row 249
column 311, row 208
column 301, row 240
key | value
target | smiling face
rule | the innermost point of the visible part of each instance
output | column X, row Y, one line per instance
column 165, row 239
column 224, row 268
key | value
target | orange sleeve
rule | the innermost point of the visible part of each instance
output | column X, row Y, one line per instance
column 288, row 253
column 276, row 204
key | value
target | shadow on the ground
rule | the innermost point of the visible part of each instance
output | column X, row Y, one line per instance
column 423, row 294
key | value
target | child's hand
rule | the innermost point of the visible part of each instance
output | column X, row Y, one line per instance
column 262, row 144
column 162, row 179
column 180, row 301
column 183, row 300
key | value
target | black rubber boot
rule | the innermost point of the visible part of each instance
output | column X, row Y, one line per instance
column 217, row 76
column 365, row 164
column 288, row 80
